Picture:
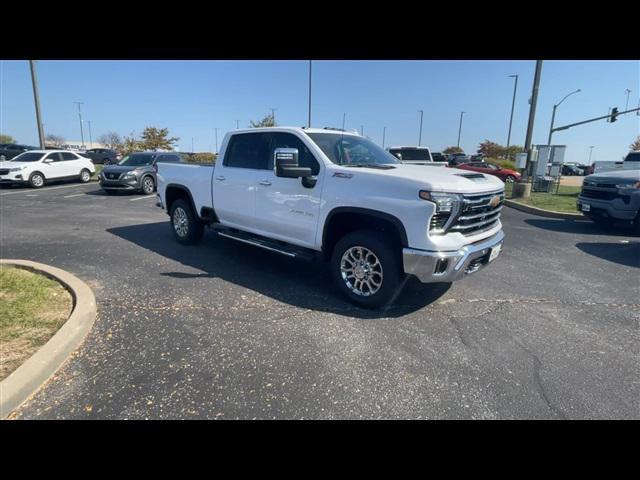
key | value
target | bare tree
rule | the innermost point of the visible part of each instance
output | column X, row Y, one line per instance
column 111, row 140
column 54, row 140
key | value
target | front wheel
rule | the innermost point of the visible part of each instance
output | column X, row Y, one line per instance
column 36, row 180
column 85, row 175
column 366, row 268
column 187, row 229
column 148, row 185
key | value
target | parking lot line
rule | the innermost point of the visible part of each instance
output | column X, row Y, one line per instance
column 141, row 198
column 74, row 195
column 48, row 188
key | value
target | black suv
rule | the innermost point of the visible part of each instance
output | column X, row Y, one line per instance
column 10, row 150
column 102, row 156
column 135, row 172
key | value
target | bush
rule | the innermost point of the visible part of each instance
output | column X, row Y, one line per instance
column 510, row 164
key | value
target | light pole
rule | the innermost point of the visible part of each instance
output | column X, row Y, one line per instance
column 273, row 115
column 36, row 98
column 192, row 145
column 384, row 134
column 362, row 130
column 344, row 116
column 533, row 103
column 513, row 104
column 80, row 116
column 590, row 152
column 309, row 121
column 553, row 116
column 237, row 124
column 90, row 139
column 460, row 128
column 627, row 92
column 216, row 140
column 420, row 134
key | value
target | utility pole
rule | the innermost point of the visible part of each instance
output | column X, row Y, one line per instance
column 627, row 92
column 192, row 145
column 344, row 115
column 590, row 152
column 460, row 128
column 384, row 133
column 309, row 121
column 362, row 130
column 80, row 116
column 237, row 124
column 553, row 115
column 420, row 134
column 216, row 140
column 513, row 104
column 90, row 139
column 273, row 115
column 36, row 98
column 532, row 116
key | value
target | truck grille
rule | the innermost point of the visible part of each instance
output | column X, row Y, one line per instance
column 476, row 214
column 599, row 194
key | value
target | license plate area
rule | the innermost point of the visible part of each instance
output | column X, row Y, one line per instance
column 495, row 251
column 586, row 207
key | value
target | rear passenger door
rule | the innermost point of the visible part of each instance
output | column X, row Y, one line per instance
column 73, row 163
column 234, row 181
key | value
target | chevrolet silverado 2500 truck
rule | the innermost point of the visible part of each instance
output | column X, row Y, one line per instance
column 335, row 195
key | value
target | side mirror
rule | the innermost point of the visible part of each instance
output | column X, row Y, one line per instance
column 47, row 160
column 285, row 164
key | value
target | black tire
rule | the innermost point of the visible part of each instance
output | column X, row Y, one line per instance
column 510, row 179
column 85, row 175
column 36, row 180
column 390, row 274
column 190, row 229
column 147, row 185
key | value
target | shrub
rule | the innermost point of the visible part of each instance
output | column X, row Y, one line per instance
column 510, row 164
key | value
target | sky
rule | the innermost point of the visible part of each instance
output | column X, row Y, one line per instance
column 193, row 98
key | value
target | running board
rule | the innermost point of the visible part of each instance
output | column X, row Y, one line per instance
column 268, row 244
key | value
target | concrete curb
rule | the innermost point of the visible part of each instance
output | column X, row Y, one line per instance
column 543, row 213
column 31, row 375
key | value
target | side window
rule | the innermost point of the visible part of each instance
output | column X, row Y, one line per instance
column 67, row 156
column 53, row 156
column 288, row 140
column 248, row 150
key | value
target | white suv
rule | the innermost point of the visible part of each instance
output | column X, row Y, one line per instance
column 36, row 167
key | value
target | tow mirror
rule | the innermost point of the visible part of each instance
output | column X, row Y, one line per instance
column 285, row 162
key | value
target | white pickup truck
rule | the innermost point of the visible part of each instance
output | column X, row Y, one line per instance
column 312, row 193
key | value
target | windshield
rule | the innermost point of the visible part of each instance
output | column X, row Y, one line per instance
column 27, row 157
column 351, row 150
column 421, row 154
column 138, row 159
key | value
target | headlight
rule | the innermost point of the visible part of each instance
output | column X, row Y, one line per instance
column 629, row 185
column 17, row 169
column 445, row 202
column 129, row 176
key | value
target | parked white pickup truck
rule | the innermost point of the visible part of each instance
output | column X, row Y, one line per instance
column 340, row 197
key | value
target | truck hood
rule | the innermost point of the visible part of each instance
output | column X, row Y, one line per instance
column 626, row 176
column 433, row 178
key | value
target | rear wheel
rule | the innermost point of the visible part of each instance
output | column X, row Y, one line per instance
column 187, row 228
column 148, row 185
column 366, row 268
column 510, row 179
column 36, row 180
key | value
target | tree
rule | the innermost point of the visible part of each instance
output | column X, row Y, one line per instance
column 54, row 140
column 450, row 150
column 111, row 140
column 130, row 144
column 512, row 151
column 491, row 149
column 6, row 138
column 635, row 145
column 268, row 121
column 153, row 138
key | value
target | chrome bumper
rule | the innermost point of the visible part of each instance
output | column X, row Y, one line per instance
column 449, row 266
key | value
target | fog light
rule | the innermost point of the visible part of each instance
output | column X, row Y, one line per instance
column 441, row 266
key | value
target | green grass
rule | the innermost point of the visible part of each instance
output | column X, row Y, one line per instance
column 563, row 201
column 33, row 308
column 98, row 170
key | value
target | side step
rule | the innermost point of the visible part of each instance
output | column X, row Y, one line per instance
column 266, row 243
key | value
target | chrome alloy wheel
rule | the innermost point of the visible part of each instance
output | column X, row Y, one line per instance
column 361, row 271
column 38, row 181
column 147, row 185
column 180, row 222
column 86, row 176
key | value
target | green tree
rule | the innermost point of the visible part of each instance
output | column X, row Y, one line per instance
column 268, row 121
column 635, row 145
column 54, row 140
column 153, row 138
column 6, row 138
column 130, row 144
column 111, row 140
column 450, row 150
column 491, row 149
column 510, row 153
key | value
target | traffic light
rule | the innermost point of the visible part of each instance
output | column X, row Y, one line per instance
column 614, row 114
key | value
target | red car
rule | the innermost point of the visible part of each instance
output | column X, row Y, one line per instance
column 503, row 174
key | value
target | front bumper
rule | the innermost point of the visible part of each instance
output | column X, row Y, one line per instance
column 432, row 267
column 119, row 184
column 607, row 208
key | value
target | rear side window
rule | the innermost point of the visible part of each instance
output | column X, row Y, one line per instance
column 68, row 156
column 53, row 156
column 168, row 159
column 248, row 150
column 288, row 140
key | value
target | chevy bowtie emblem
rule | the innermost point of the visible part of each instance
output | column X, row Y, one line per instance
column 495, row 201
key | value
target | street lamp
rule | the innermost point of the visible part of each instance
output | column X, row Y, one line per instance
column 80, row 116
column 90, row 139
column 553, row 116
column 590, row 152
column 627, row 92
column 460, row 127
column 420, row 135
column 513, row 104
column 309, row 121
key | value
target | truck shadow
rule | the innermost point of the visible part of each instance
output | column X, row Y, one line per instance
column 302, row 284
column 584, row 227
column 627, row 254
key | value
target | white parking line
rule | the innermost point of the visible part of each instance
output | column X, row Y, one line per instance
column 74, row 195
column 141, row 198
column 49, row 188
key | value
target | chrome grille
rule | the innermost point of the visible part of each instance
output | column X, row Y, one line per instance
column 477, row 214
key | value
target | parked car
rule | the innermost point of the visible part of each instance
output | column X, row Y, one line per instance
column 316, row 193
column 586, row 169
column 439, row 157
column 612, row 196
column 458, row 159
column 37, row 167
column 102, row 156
column 570, row 170
column 11, row 150
column 630, row 162
column 135, row 172
column 415, row 156
column 505, row 174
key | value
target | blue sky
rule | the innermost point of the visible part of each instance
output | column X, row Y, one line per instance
column 192, row 98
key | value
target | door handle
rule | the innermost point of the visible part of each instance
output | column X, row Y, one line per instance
column 265, row 183
column 220, row 178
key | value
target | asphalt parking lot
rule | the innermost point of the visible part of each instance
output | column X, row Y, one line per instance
column 224, row 330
